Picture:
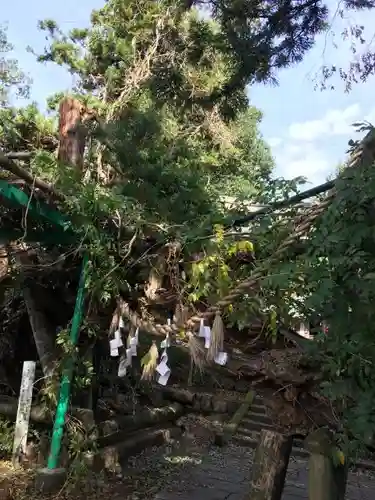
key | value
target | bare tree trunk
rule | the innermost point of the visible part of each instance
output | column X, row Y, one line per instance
column 270, row 466
column 43, row 335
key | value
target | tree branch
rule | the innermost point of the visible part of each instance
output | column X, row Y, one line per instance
column 11, row 166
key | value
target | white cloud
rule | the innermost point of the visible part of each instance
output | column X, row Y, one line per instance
column 312, row 149
column 303, row 160
column 274, row 142
column 334, row 122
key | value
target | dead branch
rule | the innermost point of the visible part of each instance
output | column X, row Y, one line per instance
column 138, row 72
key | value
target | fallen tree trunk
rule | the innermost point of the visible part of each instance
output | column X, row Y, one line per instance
column 200, row 401
column 112, row 456
column 39, row 414
column 270, row 466
column 116, row 430
column 183, row 396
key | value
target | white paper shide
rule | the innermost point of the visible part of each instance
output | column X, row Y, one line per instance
column 221, row 358
column 163, row 370
column 207, row 337
column 115, row 344
column 201, row 329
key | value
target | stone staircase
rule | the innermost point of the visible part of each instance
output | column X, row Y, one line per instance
column 257, row 419
column 249, row 430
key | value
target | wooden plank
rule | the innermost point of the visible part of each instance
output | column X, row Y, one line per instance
column 23, row 412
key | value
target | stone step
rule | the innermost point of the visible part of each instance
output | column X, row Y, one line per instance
column 253, row 434
column 249, row 425
column 251, row 441
column 252, row 417
column 258, row 408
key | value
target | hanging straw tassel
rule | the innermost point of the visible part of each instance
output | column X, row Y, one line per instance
column 217, row 337
column 197, row 351
column 149, row 362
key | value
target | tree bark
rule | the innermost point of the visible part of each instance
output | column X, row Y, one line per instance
column 72, row 137
column 270, row 466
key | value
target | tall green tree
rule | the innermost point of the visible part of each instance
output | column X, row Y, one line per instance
column 152, row 72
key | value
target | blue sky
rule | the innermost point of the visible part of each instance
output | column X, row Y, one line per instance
column 307, row 129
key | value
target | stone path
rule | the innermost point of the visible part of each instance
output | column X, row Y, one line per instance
column 195, row 469
column 226, row 476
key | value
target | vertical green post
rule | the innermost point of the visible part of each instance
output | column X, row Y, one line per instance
column 65, row 385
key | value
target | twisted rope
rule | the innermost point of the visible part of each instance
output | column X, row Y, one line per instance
column 363, row 154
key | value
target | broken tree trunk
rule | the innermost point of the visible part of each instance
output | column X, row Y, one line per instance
column 118, row 429
column 72, row 136
column 270, row 466
column 326, row 480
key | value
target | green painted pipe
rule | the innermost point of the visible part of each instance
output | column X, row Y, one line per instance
column 65, row 386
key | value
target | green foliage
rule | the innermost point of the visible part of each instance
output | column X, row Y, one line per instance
column 222, row 264
column 340, row 269
column 12, row 79
column 210, row 276
column 334, row 277
column 359, row 66
column 6, row 438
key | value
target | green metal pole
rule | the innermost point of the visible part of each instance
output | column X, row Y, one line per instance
column 64, row 396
